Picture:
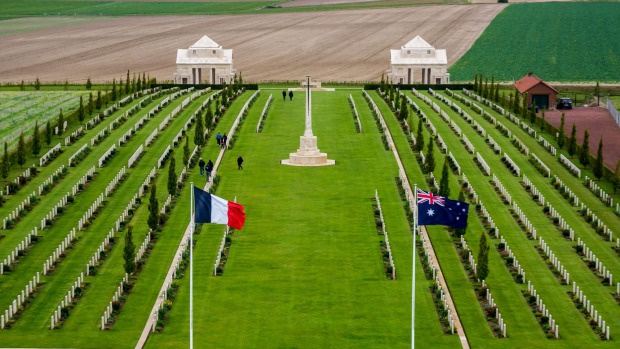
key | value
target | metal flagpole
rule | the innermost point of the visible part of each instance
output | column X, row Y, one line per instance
column 191, row 270
column 413, row 260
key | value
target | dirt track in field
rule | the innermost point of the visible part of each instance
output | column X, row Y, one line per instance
column 330, row 46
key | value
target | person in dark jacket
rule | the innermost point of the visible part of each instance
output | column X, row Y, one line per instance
column 290, row 95
column 240, row 162
column 284, row 95
column 209, row 169
column 201, row 165
column 223, row 141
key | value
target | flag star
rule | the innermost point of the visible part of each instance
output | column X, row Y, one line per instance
column 458, row 204
column 431, row 212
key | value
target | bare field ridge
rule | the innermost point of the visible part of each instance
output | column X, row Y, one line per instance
column 331, row 46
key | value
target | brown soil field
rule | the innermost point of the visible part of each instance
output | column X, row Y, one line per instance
column 598, row 122
column 331, row 46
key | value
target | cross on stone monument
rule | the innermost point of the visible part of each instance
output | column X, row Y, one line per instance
column 308, row 154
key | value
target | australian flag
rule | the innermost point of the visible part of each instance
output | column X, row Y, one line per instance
column 437, row 210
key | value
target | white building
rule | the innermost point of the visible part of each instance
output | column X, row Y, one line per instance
column 418, row 62
column 205, row 62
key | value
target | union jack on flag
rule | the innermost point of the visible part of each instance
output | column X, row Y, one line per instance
column 430, row 198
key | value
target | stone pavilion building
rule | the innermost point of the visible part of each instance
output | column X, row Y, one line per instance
column 205, row 62
column 418, row 62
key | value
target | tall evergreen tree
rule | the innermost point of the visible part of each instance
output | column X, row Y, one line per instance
column 208, row 117
column 133, row 83
column 485, row 92
column 496, row 96
column 524, row 107
column 81, row 114
column 492, row 88
column 584, row 156
column 516, row 103
column 532, row 115
column 139, row 83
column 144, row 81
column 89, row 84
column 61, row 122
column 113, row 93
column 430, row 156
column 542, row 120
column 37, row 84
column 36, row 139
column 572, row 141
column 98, row 101
column 66, row 85
column 153, row 220
column 561, row 138
column 21, row 150
column 199, row 135
column 444, row 183
column 6, row 162
column 599, row 164
column 476, row 82
column 186, row 153
column 127, row 82
column 172, row 176
column 483, row 258
column 403, row 114
column 22, row 86
column 382, row 83
column 419, row 138
column 48, row 133
column 91, row 104
column 129, row 252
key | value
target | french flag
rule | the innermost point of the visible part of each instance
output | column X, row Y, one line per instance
column 209, row 208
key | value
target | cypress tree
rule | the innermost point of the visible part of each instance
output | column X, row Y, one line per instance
column 561, row 138
column 208, row 117
column 6, row 162
column 172, row 177
column 404, row 110
column 133, row 83
column 127, row 84
column 492, row 88
column 144, row 81
column 61, row 121
column 483, row 258
column 186, row 153
column 615, row 179
column 81, row 110
column 532, row 115
column 542, row 120
column 37, row 84
column 444, row 184
column 113, row 90
column 153, row 220
column 129, row 251
column 22, row 86
column 66, row 86
column 584, row 156
column 516, row 103
column 91, row 104
column 89, row 84
column 98, row 101
column 476, row 82
column 36, row 139
column 48, row 133
column 572, row 141
column 430, row 156
column 21, row 150
column 139, row 83
column 382, row 83
column 199, row 135
column 419, row 138
column 524, row 107
column 598, row 165
column 485, row 92
column 496, row 97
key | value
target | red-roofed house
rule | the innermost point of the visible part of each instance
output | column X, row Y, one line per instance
column 538, row 92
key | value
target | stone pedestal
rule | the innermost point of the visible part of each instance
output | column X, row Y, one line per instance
column 308, row 154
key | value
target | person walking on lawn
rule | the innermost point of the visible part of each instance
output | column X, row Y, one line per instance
column 240, row 162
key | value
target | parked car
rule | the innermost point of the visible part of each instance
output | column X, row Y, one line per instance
column 565, row 103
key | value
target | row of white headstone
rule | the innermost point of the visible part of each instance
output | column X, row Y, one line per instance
column 117, row 122
column 108, row 154
column 165, row 122
column 82, row 149
column 503, row 129
column 91, row 210
column 455, row 128
column 598, row 223
column 167, row 202
column 19, row 210
column 547, row 145
column 64, row 244
column 74, row 136
column 94, row 260
column 515, row 261
column 572, row 198
column 151, row 137
column 133, row 110
column 554, row 260
column 540, row 198
column 570, row 166
column 542, row 308
column 599, row 192
column 49, row 154
column 67, row 299
column 454, row 162
column 114, row 182
column 498, row 315
column 51, row 180
column 218, row 258
column 82, row 181
column 126, row 137
column 583, row 299
column 545, row 169
column 529, row 227
column 590, row 256
column 22, row 246
column 490, row 118
column 520, row 145
column 561, row 221
column 483, row 210
column 54, row 211
column 485, row 166
column 378, row 114
column 493, row 145
column 130, row 206
column 17, row 302
column 442, row 145
column 99, row 137
column 385, row 234
column 498, row 184
column 18, row 179
column 163, row 156
column 442, row 295
column 135, row 156
column 478, row 128
column 512, row 166
column 470, row 147
column 356, row 116
column 109, row 309
column 142, row 248
column 433, row 182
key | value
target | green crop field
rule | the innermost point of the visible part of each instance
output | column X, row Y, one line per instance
column 307, row 269
column 566, row 42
